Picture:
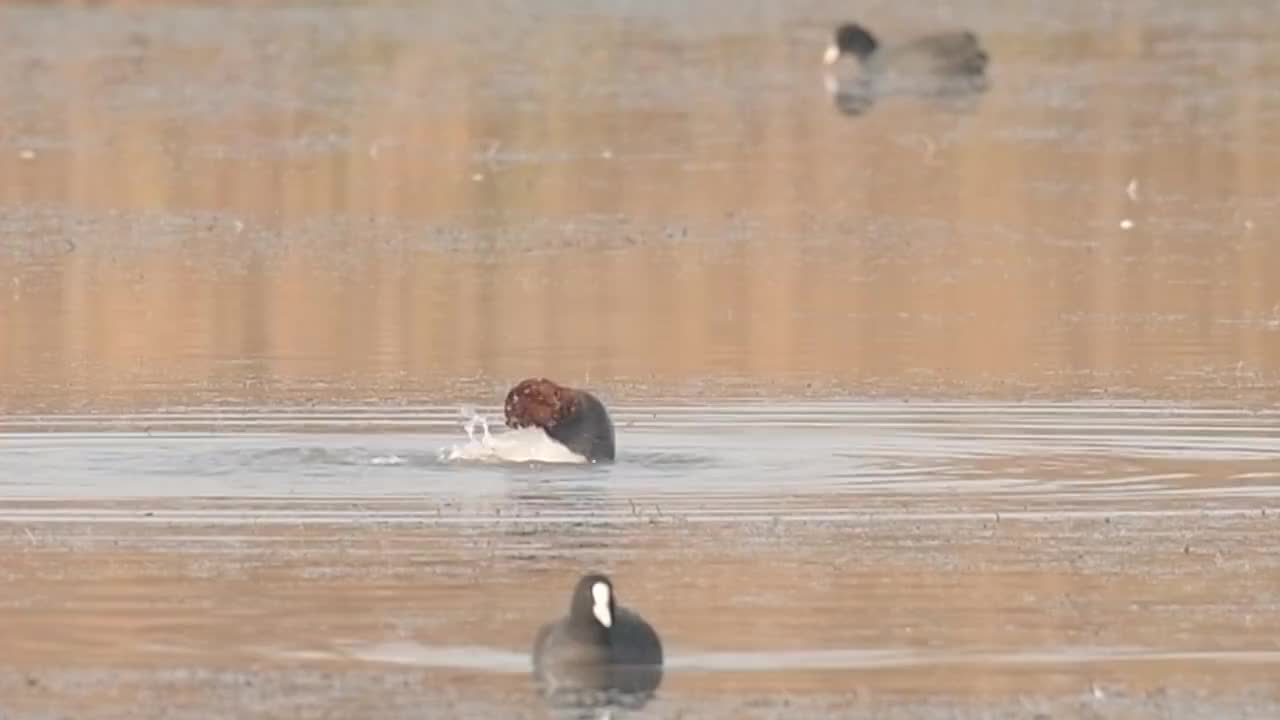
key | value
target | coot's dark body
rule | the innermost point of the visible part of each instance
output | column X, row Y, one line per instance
column 943, row 54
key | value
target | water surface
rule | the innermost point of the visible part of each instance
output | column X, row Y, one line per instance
column 948, row 557
column 936, row 411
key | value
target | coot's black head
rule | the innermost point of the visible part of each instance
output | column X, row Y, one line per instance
column 592, row 602
column 851, row 39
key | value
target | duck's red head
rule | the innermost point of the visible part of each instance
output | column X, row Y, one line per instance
column 539, row 402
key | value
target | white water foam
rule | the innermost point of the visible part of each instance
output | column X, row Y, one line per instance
column 524, row 445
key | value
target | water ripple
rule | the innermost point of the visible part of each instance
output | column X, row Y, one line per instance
column 744, row 458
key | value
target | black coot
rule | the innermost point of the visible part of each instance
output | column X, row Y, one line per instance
column 600, row 653
column 939, row 65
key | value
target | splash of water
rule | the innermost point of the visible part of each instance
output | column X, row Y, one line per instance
column 523, row 445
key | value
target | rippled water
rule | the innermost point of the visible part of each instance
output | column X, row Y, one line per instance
column 1078, row 555
column 732, row 460
column 941, row 410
